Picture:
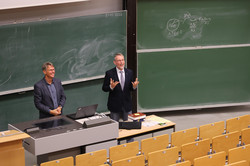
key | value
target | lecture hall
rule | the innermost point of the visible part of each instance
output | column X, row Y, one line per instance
column 186, row 88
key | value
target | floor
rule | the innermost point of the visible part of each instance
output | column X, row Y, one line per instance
column 185, row 119
column 194, row 118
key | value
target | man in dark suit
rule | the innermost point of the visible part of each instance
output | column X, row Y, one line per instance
column 49, row 95
column 119, row 83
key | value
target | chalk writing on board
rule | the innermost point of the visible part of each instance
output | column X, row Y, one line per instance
column 93, row 57
column 2, row 82
column 186, row 26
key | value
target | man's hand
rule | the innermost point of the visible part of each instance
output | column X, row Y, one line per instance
column 135, row 83
column 59, row 109
column 113, row 83
column 56, row 111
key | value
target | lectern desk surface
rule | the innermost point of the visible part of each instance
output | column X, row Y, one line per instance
column 60, row 133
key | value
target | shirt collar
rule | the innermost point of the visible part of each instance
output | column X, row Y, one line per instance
column 47, row 82
column 118, row 71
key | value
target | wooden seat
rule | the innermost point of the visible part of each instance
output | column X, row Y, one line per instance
column 95, row 158
column 163, row 157
column 104, row 165
column 239, row 163
column 132, row 161
column 196, row 149
column 184, row 136
column 123, row 151
column 211, row 130
column 238, row 154
column 225, row 142
column 216, row 159
column 153, row 144
column 68, row 161
column 245, row 136
column 238, row 123
column 184, row 163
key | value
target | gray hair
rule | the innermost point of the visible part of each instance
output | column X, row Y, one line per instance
column 118, row 54
column 45, row 65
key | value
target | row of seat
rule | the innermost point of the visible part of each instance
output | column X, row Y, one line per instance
column 215, row 134
column 154, row 149
column 210, row 130
column 239, row 156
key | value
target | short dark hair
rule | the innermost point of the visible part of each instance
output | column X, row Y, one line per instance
column 45, row 65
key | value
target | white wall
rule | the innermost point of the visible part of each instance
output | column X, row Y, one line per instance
column 11, row 4
column 28, row 14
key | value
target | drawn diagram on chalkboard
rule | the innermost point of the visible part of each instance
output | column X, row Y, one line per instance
column 186, row 26
column 93, row 57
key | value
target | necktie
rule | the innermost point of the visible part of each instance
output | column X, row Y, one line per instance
column 122, row 80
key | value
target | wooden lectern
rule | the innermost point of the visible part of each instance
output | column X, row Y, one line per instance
column 11, row 148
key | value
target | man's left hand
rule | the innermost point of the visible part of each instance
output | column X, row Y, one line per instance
column 135, row 83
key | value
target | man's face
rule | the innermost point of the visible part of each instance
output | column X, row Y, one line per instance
column 119, row 62
column 49, row 72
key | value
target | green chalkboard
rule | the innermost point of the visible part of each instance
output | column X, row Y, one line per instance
column 193, row 77
column 80, row 47
column 184, row 23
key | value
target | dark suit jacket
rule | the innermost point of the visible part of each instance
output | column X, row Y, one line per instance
column 118, row 98
column 42, row 97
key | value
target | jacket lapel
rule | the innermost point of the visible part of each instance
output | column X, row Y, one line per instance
column 126, row 78
column 57, row 91
column 116, row 78
column 47, row 89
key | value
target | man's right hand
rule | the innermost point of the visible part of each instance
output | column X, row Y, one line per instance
column 113, row 83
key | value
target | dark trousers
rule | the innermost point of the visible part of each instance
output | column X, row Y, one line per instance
column 124, row 115
column 117, row 115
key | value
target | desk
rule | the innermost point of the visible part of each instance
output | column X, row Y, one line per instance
column 66, row 138
column 11, row 149
column 123, row 134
